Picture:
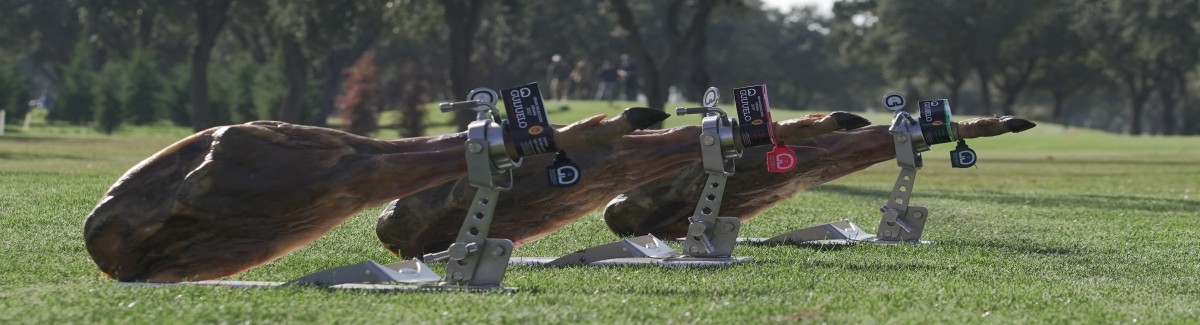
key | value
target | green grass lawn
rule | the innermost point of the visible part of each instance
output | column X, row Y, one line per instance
column 1054, row 226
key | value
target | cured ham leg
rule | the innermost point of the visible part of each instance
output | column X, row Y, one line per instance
column 230, row 198
column 428, row 221
column 662, row 207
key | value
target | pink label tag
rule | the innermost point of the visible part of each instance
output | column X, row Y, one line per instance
column 781, row 159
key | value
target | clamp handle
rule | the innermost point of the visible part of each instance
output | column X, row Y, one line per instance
column 468, row 104
column 699, row 110
column 482, row 100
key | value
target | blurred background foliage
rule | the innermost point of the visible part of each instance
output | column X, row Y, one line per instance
column 1125, row 66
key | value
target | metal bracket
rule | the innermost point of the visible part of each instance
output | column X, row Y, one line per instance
column 475, row 260
column 412, row 271
column 901, row 222
column 642, row 250
column 643, row 246
column 843, row 232
column 710, row 235
column 710, row 239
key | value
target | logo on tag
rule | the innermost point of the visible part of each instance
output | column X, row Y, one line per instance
column 563, row 172
column 934, row 121
column 962, row 156
column 754, row 115
column 528, row 123
column 894, row 101
column 711, row 96
column 781, row 159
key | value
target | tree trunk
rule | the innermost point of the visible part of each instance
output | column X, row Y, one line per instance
column 1191, row 113
column 1169, row 91
column 339, row 60
column 1138, row 84
column 955, row 89
column 210, row 16
column 412, row 115
column 295, row 71
column 1136, row 105
column 656, row 76
column 145, row 30
column 701, row 80
column 1012, row 85
column 1060, row 99
column 462, row 18
column 985, row 89
column 331, row 75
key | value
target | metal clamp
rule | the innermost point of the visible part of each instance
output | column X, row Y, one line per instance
column 903, row 222
column 476, row 260
column 710, row 235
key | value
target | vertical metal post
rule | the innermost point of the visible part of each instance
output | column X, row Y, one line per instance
column 901, row 221
column 710, row 235
column 476, row 260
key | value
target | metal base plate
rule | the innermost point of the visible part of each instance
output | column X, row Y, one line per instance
column 405, row 276
column 347, row 286
column 682, row 261
column 876, row 241
column 842, row 232
column 641, row 250
column 411, row 271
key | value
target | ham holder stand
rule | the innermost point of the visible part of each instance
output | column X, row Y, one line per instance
column 902, row 223
column 477, row 263
column 710, row 239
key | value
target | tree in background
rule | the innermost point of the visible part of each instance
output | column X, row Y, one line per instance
column 111, row 96
column 462, row 18
column 412, row 86
column 1083, row 58
column 1065, row 71
column 210, row 19
column 174, row 96
column 657, row 74
column 1173, row 39
column 357, row 105
column 269, row 88
column 240, row 90
column 1120, row 26
column 14, row 92
column 75, row 94
column 142, row 104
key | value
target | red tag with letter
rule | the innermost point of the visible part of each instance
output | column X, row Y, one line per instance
column 780, row 159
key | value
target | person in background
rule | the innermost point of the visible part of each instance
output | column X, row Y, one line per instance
column 581, row 79
column 629, row 77
column 558, row 72
column 608, row 82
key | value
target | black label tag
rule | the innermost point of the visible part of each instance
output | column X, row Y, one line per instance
column 563, row 172
column 962, row 156
column 935, row 121
column 528, row 124
column 754, row 115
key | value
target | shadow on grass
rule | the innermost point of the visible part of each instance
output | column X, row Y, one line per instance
column 1019, row 247
column 37, row 156
column 1097, row 201
column 42, row 139
column 1078, row 162
column 812, row 247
